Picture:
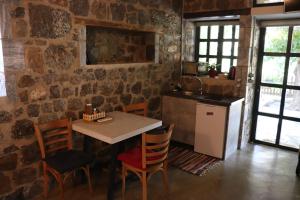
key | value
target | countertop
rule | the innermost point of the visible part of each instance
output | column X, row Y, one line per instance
column 207, row 98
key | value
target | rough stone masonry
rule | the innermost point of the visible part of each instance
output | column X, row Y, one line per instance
column 46, row 80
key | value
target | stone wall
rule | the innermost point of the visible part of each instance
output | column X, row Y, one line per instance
column 246, row 64
column 119, row 46
column 47, row 79
column 188, row 37
column 250, row 85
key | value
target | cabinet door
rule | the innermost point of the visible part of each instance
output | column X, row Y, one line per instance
column 210, row 129
column 233, row 128
column 181, row 112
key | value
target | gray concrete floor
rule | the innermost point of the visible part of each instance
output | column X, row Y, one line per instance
column 256, row 172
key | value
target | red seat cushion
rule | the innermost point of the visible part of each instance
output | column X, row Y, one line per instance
column 132, row 157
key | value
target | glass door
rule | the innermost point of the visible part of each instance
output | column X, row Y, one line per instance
column 277, row 100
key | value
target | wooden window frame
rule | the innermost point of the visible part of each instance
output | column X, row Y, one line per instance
column 219, row 40
column 2, row 66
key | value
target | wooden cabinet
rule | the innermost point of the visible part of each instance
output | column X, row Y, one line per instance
column 211, row 129
column 217, row 129
column 181, row 112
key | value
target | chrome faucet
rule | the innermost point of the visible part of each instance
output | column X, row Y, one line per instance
column 201, row 86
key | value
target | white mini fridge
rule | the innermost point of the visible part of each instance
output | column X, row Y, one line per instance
column 217, row 129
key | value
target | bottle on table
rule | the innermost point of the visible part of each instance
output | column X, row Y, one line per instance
column 88, row 109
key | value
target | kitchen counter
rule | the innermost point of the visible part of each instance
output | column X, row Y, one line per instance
column 208, row 122
column 209, row 99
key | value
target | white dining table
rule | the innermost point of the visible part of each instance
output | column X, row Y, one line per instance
column 123, row 126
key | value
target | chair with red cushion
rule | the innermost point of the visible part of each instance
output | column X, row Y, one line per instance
column 147, row 159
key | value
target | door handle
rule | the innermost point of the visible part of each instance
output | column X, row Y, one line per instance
column 209, row 113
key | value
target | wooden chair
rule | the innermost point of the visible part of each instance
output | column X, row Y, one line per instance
column 138, row 109
column 148, row 159
column 58, row 157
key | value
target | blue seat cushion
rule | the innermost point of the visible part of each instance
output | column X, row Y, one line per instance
column 68, row 160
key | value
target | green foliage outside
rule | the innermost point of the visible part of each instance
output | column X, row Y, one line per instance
column 276, row 41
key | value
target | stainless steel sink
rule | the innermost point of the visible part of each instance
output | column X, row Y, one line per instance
column 213, row 97
column 210, row 97
column 189, row 93
column 202, row 96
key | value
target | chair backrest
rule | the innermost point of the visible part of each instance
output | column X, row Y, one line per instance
column 54, row 136
column 138, row 108
column 155, row 147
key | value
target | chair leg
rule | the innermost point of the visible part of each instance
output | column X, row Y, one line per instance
column 74, row 178
column 123, row 182
column 88, row 176
column 165, row 176
column 144, row 185
column 46, row 183
column 165, row 179
column 60, row 182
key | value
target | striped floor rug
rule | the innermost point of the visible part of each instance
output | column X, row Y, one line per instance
column 190, row 161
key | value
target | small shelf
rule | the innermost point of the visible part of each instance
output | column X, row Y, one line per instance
column 216, row 80
column 120, row 65
column 100, row 23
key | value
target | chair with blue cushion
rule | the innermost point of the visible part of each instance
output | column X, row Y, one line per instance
column 58, row 156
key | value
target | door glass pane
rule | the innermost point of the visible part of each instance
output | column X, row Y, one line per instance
column 237, row 32
column 290, row 134
column 269, row 100
column 294, row 71
column 276, row 39
column 296, row 40
column 266, row 129
column 203, row 48
column 292, row 103
column 203, row 32
column 236, row 47
column 214, row 32
column 228, row 32
column 227, row 46
column 273, row 69
column 202, row 60
column 213, row 48
column 225, row 65
column 212, row 61
column 235, row 62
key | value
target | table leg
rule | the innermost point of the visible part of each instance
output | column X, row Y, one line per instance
column 87, row 144
column 87, row 148
column 112, row 171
